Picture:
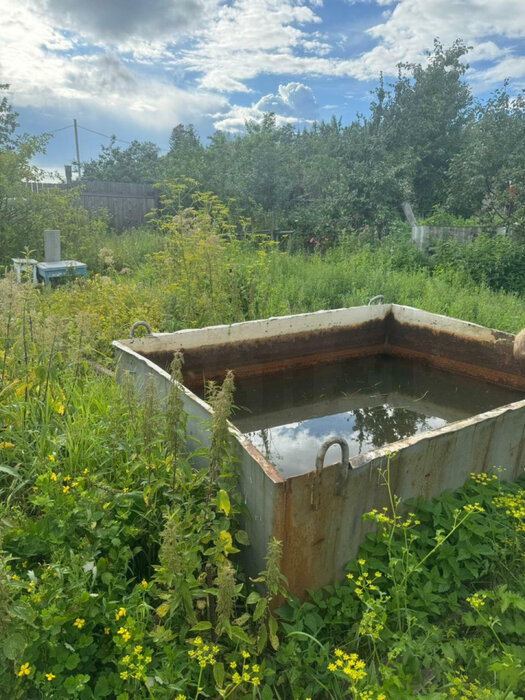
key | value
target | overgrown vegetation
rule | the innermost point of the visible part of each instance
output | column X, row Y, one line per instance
column 120, row 574
column 121, row 563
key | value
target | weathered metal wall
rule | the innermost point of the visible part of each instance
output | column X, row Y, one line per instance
column 317, row 542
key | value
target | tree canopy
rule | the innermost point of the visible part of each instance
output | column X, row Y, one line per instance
column 425, row 139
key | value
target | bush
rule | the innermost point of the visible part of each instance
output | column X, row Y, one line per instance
column 497, row 261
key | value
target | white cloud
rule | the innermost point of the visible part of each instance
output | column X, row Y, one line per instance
column 251, row 37
column 293, row 103
column 45, row 71
column 512, row 67
column 117, row 21
column 413, row 24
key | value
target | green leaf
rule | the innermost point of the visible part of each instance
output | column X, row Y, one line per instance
column 253, row 598
column 242, row 537
column 262, row 638
column 272, row 627
column 72, row 661
column 267, row 693
column 202, row 626
column 13, row 646
column 218, row 674
column 260, row 609
column 223, row 502
column 23, row 611
column 102, row 687
column 240, row 635
column 8, row 470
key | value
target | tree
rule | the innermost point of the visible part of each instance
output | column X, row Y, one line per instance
column 487, row 175
column 423, row 118
column 185, row 157
column 8, row 123
column 139, row 162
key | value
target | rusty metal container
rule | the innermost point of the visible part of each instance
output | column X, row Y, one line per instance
column 318, row 515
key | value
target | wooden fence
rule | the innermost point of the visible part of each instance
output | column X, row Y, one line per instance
column 127, row 202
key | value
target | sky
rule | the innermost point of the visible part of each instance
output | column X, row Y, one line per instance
column 137, row 68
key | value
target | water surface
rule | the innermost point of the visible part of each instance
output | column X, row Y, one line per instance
column 370, row 402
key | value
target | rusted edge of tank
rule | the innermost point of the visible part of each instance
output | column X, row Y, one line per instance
column 363, row 460
column 268, row 468
column 458, row 367
column 266, row 353
column 274, row 326
column 454, row 345
column 194, row 381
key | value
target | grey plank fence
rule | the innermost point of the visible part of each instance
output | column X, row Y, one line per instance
column 127, row 202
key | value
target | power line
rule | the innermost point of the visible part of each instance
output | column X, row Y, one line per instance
column 98, row 133
column 54, row 131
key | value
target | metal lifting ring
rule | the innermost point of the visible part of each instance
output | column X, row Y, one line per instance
column 138, row 324
column 377, row 299
column 319, row 464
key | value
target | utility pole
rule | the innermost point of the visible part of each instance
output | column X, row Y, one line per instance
column 76, row 147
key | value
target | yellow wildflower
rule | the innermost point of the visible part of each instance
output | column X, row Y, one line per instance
column 477, row 600
column 125, row 634
column 361, row 562
column 144, row 583
column 65, row 489
column 51, row 458
column 50, row 676
column 120, row 613
column 53, row 476
column 5, row 445
column 25, row 670
column 79, row 622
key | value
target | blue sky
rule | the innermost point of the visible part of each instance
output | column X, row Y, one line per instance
column 136, row 68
